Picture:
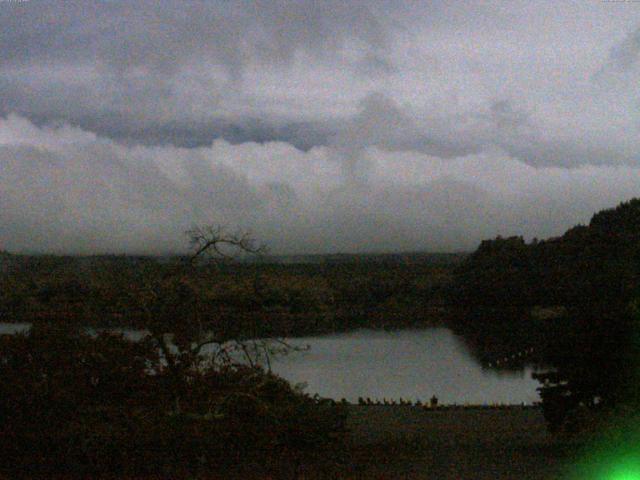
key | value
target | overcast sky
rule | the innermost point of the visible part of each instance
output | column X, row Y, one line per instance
column 322, row 126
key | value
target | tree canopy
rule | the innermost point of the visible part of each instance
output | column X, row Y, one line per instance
column 588, row 279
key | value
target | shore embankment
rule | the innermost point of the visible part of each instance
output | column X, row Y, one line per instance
column 453, row 443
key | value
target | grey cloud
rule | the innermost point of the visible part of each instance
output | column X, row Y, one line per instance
column 134, row 118
column 119, row 64
column 626, row 53
column 373, row 65
column 68, row 191
column 153, row 116
column 505, row 115
column 150, row 73
column 502, row 125
column 162, row 35
column 90, row 199
column 382, row 123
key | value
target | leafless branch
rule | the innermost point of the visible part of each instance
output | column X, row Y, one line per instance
column 243, row 347
column 213, row 239
column 290, row 347
column 204, row 343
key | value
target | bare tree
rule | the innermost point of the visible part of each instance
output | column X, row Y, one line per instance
column 179, row 322
column 216, row 240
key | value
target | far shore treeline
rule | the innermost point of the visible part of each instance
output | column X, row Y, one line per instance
column 262, row 296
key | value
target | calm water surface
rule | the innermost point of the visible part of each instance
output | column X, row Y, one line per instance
column 412, row 364
column 409, row 364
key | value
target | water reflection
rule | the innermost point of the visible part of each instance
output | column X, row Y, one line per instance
column 11, row 328
column 409, row 364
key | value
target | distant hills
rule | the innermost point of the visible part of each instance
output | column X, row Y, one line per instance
column 331, row 258
column 381, row 258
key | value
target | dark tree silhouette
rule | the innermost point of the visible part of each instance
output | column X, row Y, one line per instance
column 586, row 281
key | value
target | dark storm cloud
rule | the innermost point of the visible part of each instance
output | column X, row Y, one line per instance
column 163, row 35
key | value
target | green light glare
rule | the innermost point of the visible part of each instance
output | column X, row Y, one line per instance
column 612, row 454
column 625, row 470
column 610, row 461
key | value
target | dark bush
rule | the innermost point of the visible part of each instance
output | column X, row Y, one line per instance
column 83, row 405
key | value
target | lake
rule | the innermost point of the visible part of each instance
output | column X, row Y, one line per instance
column 409, row 364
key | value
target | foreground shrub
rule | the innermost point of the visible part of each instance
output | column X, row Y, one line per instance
column 82, row 405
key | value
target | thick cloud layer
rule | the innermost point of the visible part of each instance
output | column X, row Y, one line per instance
column 68, row 190
column 323, row 126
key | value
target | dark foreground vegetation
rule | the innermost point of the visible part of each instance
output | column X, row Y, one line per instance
column 85, row 405
column 408, row 442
